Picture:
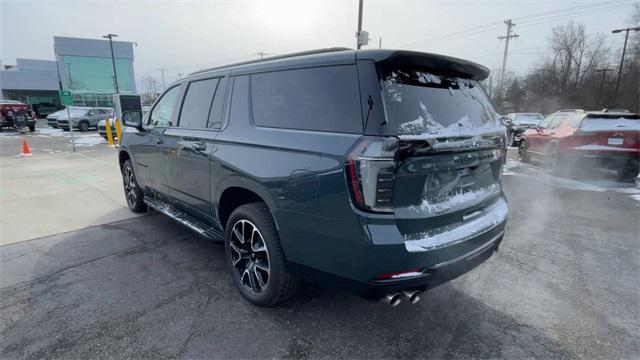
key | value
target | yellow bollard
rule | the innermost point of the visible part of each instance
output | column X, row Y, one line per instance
column 109, row 134
column 118, row 130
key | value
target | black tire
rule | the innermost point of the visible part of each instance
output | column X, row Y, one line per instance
column 280, row 283
column 132, row 191
column 523, row 155
column 32, row 128
column 629, row 172
column 83, row 126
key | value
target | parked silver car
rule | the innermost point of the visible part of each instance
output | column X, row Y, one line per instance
column 82, row 118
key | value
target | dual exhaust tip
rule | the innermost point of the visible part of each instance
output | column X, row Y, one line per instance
column 394, row 299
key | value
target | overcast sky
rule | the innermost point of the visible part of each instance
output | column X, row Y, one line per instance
column 183, row 36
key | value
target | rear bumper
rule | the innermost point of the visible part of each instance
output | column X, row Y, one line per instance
column 320, row 253
column 604, row 159
column 431, row 277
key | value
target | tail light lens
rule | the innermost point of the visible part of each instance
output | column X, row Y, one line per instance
column 370, row 172
column 579, row 138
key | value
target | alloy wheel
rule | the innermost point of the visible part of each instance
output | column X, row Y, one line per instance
column 130, row 186
column 249, row 256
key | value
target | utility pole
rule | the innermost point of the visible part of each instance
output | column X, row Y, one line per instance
column 358, row 42
column 380, row 43
column 510, row 35
column 113, row 60
column 262, row 54
column 163, row 85
column 604, row 76
column 624, row 50
column 179, row 76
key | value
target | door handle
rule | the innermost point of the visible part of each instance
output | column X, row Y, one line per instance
column 199, row 146
column 159, row 140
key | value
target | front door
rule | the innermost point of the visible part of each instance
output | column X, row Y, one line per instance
column 149, row 151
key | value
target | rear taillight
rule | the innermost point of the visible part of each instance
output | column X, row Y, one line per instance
column 370, row 172
column 579, row 138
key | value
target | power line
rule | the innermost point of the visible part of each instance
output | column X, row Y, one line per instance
column 529, row 20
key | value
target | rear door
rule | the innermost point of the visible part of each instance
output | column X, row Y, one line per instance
column 451, row 150
column 190, row 145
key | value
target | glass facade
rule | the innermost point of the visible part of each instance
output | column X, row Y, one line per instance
column 91, row 81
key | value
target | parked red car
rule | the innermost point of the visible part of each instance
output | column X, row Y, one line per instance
column 569, row 139
column 16, row 115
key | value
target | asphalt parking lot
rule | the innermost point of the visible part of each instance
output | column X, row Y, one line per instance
column 564, row 284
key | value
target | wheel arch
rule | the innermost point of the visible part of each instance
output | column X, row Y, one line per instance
column 123, row 156
column 235, row 191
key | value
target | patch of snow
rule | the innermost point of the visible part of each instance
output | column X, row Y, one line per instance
column 452, row 202
column 89, row 140
column 635, row 197
column 407, row 274
column 459, row 232
column 595, row 124
column 595, row 147
column 427, row 78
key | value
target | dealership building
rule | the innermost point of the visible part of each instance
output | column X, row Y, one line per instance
column 83, row 66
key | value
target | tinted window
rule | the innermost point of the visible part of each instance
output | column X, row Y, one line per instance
column 215, row 116
column 324, row 99
column 197, row 103
column 161, row 114
column 422, row 103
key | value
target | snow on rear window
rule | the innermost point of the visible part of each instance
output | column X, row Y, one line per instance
column 610, row 124
column 422, row 104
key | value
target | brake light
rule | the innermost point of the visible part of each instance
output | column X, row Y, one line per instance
column 370, row 173
column 400, row 275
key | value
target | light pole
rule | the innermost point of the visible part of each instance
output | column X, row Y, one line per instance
column 113, row 59
column 624, row 50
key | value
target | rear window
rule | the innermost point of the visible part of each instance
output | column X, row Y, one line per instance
column 322, row 99
column 528, row 118
column 605, row 123
column 419, row 103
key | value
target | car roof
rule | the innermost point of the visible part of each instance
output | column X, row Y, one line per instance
column 336, row 56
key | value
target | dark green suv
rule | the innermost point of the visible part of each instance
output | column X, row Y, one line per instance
column 373, row 172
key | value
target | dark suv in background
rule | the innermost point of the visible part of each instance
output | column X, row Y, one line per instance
column 374, row 172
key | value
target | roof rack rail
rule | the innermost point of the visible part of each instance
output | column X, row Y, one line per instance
column 284, row 56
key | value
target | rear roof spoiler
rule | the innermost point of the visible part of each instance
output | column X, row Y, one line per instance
column 439, row 64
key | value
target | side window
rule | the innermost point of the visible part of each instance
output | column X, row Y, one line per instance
column 323, row 99
column 197, row 103
column 161, row 114
column 574, row 120
column 557, row 120
column 545, row 123
column 215, row 115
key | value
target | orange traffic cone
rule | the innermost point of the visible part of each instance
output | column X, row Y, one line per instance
column 25, row 148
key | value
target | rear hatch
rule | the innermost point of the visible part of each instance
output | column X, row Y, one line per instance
column 614, row 133
column 449, row 158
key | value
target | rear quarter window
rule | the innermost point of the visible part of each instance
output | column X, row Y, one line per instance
column 320, row 99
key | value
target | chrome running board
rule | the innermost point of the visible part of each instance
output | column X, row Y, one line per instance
column 185, row 219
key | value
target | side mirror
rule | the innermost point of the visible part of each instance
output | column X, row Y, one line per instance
column 133, row 119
